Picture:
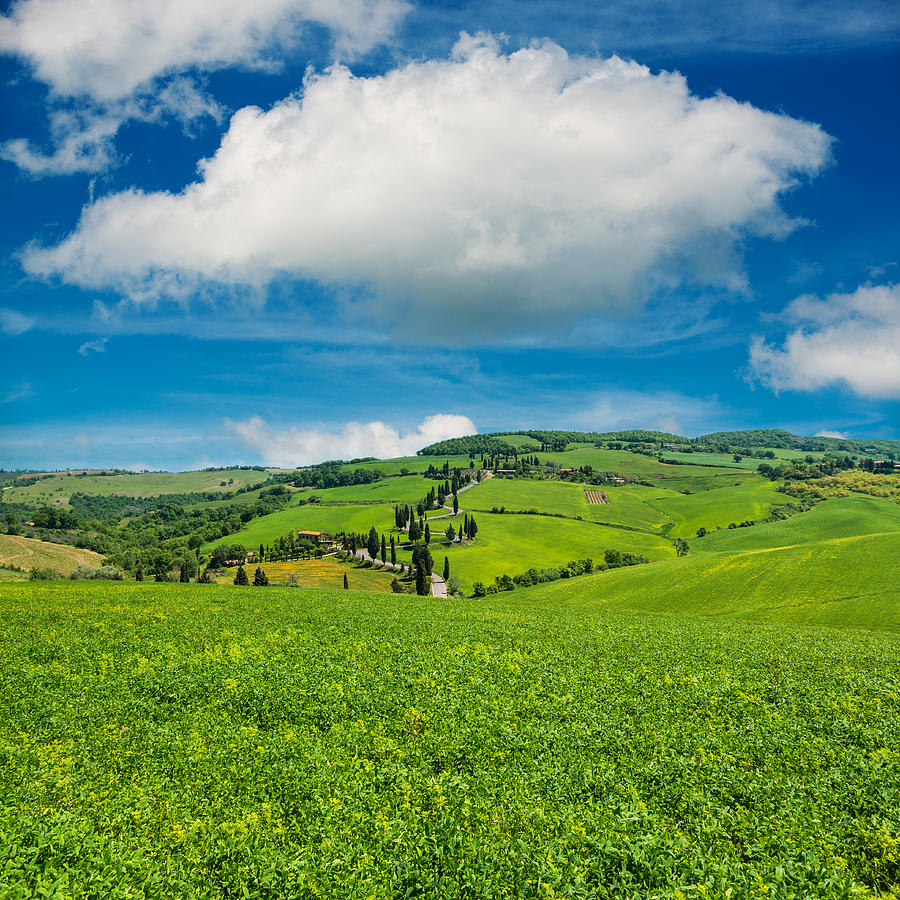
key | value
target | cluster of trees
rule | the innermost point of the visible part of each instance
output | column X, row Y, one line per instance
column 471, row 446
column 613, row 559
column 259, row 577
column 334, row 474
column 804, row 470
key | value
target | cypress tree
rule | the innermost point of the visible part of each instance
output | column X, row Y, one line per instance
column 446, row 569
column 183, row 576
column 383, row 551
column 455, row 505
column 259, row 578
column 421, row 586
column 427, row 534
column 346, row 582
column 393, row 552
column 372, row 544
column 241, row 576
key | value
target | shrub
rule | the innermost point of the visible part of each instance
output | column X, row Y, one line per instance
column 37, row 574
column 107, row 573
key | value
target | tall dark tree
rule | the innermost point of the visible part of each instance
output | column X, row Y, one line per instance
column 346, row 582
column 421, row 582
column 427, row 535
column 240, row 576
column 393, row 552
column 259, row 578
column 372, row 543
column 184, row 575
column 383, row 551
column 446, row 569
column 139, row 575
column 455, row 505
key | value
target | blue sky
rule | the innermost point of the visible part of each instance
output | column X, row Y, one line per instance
column 286, row 231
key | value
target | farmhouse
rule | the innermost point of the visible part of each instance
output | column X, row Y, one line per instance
column 314, row 537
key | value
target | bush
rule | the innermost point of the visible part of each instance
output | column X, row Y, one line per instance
column 478, row 589
column 37, row 574
column 106, row 573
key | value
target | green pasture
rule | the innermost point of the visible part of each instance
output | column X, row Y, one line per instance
column 150, row 484
column 512, row 544
column 629, row 504
column 415, row 464
column 400, row 489
column 846, row 582
column 311, row 517
column 647, row 468
column 165, row 740
column 719, row 508
column 837, row 518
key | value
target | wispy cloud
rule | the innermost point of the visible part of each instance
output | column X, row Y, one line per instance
column 13, row 322
column 97, row 346
column 23, row 392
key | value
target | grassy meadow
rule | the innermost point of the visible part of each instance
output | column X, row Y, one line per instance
column 27, row 553
column 57, row 488
column 203, row 741
column 843, row 517
column 321, row 574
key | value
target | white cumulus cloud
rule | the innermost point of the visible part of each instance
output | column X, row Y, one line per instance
column 305, row 446
column 846, row 339
column 514, row 187
column 108, row 48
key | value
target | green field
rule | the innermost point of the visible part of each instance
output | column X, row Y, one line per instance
column 58, row 488
column 838, row 518
column 312, row 517
column 202, row 741
column 719, row 508
column 844, row 582
column 629, row 505
column 510, row 544
column 402, row 489
column 325, row 573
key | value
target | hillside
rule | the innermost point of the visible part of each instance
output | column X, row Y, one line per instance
column 263, row 741
column 27, row 553
column 844, row 582
column 751, row 439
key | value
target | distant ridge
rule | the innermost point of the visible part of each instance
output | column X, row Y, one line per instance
column 722, row 441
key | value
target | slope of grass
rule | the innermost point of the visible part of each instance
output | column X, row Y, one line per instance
column 402, row 489
column 846, row 582
column 196, row 741
column 719, row 508
column 325, row 573
column 151, row 484
column 28, row 553
column 311, row 517
column 628, row 505
column 512, row 544
column 843, row 517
